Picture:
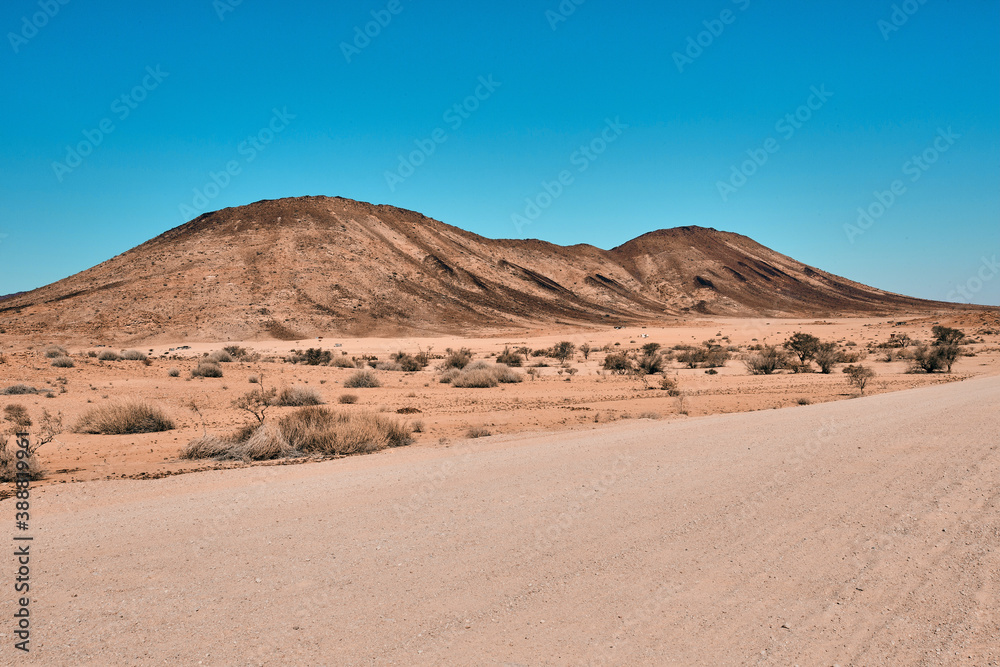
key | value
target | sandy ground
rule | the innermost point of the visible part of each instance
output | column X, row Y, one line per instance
column 547, row 403
column 857, row 532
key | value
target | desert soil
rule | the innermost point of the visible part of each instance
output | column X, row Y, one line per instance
column 552, row 402
column 856, row 532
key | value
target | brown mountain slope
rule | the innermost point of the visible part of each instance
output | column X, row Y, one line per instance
column 297, row 267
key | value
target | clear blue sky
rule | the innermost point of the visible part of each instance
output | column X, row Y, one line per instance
column 891, row 89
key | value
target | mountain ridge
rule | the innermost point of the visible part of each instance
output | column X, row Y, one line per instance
column 298, row 267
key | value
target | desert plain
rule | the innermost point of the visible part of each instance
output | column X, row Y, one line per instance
column 752, row 519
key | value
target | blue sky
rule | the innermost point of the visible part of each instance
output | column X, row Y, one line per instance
column 652, row 115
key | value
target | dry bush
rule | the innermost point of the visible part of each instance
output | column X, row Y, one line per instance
column 174, row 372
column 478, row 378
column 220, row 357
column 511, row 358
column 314, row 356
column 348, row 399
column 391, row 366
column 617, row 363
column 55, row 351
column 482, row 375
column 63, row 362
column 133, row 355
column 322, row 431
column 411, row 363
column 207, row 369
column 362, row 380
column 478, row 432
column 650, row 363
column 669, row 385
column 236, row 352
column 298, row 397
column 18, row 416
column 457, row 358
column 859, row 376
column 124, row 417
column 342, row 362
column 768, row 360
column 267, row 442
column 19, row 390
column 804, row 401
column 206, row 447
column 826, row 356
column 648, row 415
column 109, row 355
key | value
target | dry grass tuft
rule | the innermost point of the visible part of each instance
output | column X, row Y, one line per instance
column 267, row 443
column 362, row 380
column 63, row 362
column 348, row 399
column 19, row 389
column 207, row 369
column 55, row 351
column 478, row 432
column 122, row 418
column 298, row 397
column 109, row 355
column 133, row 355
column 206, row 447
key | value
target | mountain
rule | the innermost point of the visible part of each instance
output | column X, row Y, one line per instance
column 300, row 267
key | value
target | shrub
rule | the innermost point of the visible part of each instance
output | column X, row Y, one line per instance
column 859, row 376
column 55, row 351
column 235, row 351
column 563, row 350
column 348, row 399
column 410, row 363
column 650, row 348
column 716, row 356
column 314, row 356
column 174, row 372
column 298, row 397
column 133, row 355
column 63, row 362
column 19, row 389
column 18, row 416
column 617, row 363
column 321, row 431
column 109, row 355
column 584, row 350
column 693, row 356
column 267, row 442
column 457, row 358
column 766, row 361
column 13, row 468
column 934, row 358
column 478, row 378
column 669, row 385
column 207, row 369
column 482, row 375
column 510, row 358
column 650, row 363
column 362, row 380
column 124, row 417
column 206, row 447
column 342, row 362
column 478, row 432
column 804, row 401
column 947, row 354
column 826, row 356
column 388, row 366
column 220, row 357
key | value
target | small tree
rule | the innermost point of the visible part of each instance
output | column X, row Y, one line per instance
column 946, row 355
column 255, row 402
column 650, row 348
column 651, row 363
column 859, row 376
column 585, row 351
column 803, row 345
column 563, row 350
column 946, row 335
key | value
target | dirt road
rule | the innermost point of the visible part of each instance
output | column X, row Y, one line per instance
column 862, row 532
